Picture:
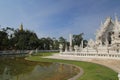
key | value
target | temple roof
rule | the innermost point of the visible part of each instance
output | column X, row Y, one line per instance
column 107, row 27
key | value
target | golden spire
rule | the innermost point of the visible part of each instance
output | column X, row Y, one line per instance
column 21, row 27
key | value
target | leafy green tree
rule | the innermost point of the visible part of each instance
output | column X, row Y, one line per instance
column 3, row 40
column 63, row 41
column 55, row 44
column 6, row 35
column 46, row 43
column 77, row 39
column 49, row 43
column 85, row 42
column 33, row 41
column 10, row 32
column 25, row 39
column 42, row 43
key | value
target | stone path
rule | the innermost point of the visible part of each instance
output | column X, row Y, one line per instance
column 111, row 63
column 78, row 75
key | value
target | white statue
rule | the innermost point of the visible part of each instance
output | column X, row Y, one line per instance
column 91, row 43
column 60, row 47
column 76, row 48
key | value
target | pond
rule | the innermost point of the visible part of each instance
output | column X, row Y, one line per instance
column 21, row 69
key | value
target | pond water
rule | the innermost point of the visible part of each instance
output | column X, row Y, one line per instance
column 20, row 69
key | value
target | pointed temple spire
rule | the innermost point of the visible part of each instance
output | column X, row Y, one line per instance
column 116, row 19
column 21, row 27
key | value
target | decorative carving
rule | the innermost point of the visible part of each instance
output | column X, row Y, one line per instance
column 91, row 43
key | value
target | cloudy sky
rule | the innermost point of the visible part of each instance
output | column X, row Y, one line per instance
column 55, row 18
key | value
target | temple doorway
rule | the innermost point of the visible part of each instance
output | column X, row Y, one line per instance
column 109, row 38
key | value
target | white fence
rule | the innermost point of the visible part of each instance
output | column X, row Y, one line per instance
column 25, row 51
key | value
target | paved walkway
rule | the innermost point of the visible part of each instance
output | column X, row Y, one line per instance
column 111, row 63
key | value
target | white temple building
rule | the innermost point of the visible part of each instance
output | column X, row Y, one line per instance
column 105, row 45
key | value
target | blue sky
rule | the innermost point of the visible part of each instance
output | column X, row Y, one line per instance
column 55, row 18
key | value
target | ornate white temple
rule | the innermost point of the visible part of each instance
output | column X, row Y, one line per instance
column 106, row 44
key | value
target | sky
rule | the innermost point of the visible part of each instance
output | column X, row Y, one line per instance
column 56, row 18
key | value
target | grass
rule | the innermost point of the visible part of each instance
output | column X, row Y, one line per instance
column 91, row 71
column 44, row 53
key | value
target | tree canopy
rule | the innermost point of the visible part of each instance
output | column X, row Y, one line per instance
column 77, row 39
column 15, row 39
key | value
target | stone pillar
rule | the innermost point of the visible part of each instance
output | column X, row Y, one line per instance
column 61, row 48
column 66, row 48
column 119, row 76
column 82, row 44
column 70, row 40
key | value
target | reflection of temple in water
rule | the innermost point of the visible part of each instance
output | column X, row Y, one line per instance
column 61, row 68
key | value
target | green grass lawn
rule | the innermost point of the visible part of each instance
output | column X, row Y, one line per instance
column 44, row 53
column 91, row 71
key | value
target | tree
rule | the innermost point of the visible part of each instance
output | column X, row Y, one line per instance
column 3, row 40
column 62, row 41
column 6, row 35
column 33, row 41
column 42, row 43
column 85, row 42
column 25, row 39
column 55, row 44
column 77, row 39
column 46, row 43
column 20, row 39
column 49, row 43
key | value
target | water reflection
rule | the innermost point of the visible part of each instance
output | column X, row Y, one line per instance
column 20, row 69
column 6, row 74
